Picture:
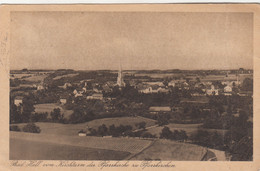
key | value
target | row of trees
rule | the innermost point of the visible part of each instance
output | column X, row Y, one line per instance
column 30, row 127
column 112, row 130
column 175, row 135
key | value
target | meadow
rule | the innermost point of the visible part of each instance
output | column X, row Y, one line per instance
column 73, row 129
column 116, row 144
column 121, row 121
column 188, row 128
column 63, row 76
column 36, row 150
column 48, row 107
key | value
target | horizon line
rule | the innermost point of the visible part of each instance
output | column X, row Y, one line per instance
column 134, row 69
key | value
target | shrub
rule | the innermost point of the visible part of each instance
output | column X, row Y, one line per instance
column 15, row 128
column 147, row 135
column 31, row 127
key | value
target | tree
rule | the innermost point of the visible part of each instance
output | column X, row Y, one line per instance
column 147, row 135
column 163, row 119
column 165, row 83
column 27, row 109
column 56, row 115
column 166, row 133
column 141, row 125
column 247, row 84
column 183, row 135
column 102, row 130
column 15, row 115
column 31, row 127
column 25, row 70
column 15, row 128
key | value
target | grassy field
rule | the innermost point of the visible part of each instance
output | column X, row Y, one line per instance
column 48, row 107
column 72, row 129
column 170, row 150
column 20, row 75
column 189, row 128
column 30, row 77
column 36, row 78
column 157, row 75
column 120, row 120
column 117, row 144
column 36, row 150
column 67, row 75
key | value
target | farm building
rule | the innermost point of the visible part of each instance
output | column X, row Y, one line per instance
column 157, row 109
column 18, row 100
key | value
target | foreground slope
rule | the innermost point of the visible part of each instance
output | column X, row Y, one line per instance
column 171, row 150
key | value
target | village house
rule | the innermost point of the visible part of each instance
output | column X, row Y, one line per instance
column 78, row 92
column 18, row 100
column 172, row 83
column 63, row 100
column 40, row 87
column 227, row 89
column 149, row 90
column 162, row 90
column 66, row 85
column 211, row 91
column 158, row 83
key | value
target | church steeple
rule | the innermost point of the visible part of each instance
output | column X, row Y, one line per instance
column 120, row 80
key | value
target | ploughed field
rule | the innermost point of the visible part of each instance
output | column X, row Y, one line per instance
column 188, row 128
column 29, row 146
column 171, row 150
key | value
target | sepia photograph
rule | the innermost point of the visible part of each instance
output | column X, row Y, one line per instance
column 131, row 85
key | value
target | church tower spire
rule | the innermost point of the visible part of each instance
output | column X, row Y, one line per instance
column 120, row 80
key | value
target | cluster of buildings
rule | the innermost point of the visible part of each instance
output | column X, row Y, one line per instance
column 95, row 91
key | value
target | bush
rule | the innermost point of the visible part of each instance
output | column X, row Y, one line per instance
column 15, row 128
column 31, row 127
column 147, row 135
column 140, row 125
column 176, row 135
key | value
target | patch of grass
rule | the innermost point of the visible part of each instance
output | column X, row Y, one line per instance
column 188, row 128
column 117, row 144
column 48, row 107
column 120, row 121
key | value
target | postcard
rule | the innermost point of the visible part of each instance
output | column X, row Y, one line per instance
column 136, row 87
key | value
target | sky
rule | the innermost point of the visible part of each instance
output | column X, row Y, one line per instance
column 137, row 40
